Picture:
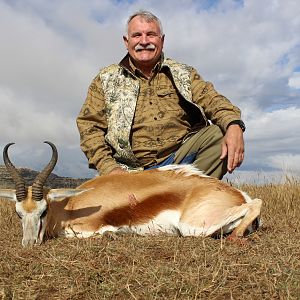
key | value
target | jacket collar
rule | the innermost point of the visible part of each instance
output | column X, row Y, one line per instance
column 127, row 64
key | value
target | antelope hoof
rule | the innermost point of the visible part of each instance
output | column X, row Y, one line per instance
column 240, row 241
column 111, row 235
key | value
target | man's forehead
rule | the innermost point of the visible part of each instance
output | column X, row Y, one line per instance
column 139, row 23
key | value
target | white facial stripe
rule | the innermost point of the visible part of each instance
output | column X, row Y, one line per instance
column 31, row 222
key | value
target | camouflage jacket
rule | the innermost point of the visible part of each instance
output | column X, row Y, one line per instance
column 106, row 118
column 121, row 93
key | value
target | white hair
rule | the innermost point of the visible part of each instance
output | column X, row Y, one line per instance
column 148, row 16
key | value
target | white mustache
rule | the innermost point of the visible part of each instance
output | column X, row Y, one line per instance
column 148, row 47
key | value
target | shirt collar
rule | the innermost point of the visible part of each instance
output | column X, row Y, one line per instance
column 127, row 63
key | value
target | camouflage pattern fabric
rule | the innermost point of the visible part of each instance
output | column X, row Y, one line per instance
column 121, row 93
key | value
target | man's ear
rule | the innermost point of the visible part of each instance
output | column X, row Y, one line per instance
column 125, row 39
column 163, row 39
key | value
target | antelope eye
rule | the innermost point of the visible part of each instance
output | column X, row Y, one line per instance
column 43, row 215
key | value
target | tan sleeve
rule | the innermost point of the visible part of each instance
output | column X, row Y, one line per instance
column 217, row 108
column 92, row 126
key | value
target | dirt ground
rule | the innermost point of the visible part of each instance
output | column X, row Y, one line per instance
column 160, row 267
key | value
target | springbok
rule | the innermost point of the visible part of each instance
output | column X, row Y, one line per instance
column 175, row 199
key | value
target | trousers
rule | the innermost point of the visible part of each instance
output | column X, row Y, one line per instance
column 203, row 150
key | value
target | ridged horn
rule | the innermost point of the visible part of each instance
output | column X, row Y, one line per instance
column 39, row 181
column 19, row 181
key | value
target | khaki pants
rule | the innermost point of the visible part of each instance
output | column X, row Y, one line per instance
column 205, row 145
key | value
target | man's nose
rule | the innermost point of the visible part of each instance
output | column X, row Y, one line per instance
column 144, row 40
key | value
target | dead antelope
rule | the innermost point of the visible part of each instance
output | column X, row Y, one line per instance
column 176, row 199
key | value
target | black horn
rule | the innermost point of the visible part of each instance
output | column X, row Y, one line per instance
column 38, row 184
column 21, row 191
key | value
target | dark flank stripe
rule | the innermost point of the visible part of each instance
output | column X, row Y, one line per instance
column 140, row 212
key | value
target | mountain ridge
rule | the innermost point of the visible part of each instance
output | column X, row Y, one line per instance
column 53, row 181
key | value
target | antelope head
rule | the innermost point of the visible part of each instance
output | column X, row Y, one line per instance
column 31, row 202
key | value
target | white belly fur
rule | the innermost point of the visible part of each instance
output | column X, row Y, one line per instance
column 166, row 222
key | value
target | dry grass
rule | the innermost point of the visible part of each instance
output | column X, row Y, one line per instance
column 161, row 267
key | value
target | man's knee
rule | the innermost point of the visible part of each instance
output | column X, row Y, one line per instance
column 208, row 156
column 213, row 132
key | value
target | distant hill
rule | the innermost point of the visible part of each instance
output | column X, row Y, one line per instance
column 53, row 181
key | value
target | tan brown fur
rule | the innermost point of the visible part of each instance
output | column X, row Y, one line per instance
column 143, row 211
column 131, row 199
column 174, row 199
column 28, row 204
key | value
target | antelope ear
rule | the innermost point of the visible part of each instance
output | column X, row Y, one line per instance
column 8, row 194
column 59, row 194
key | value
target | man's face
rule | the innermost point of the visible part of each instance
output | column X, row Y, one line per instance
column 144, row 42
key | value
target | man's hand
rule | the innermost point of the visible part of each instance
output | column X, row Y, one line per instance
column 233, row 147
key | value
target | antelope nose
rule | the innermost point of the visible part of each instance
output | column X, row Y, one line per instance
column 28, row 242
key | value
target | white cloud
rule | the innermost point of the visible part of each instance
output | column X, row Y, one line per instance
column 272, row 142
column 287, row 162
column 22, row 122
column 276, row 125
column 294, row 80
column 51, row 50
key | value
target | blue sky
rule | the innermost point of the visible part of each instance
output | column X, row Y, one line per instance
column 51, row 50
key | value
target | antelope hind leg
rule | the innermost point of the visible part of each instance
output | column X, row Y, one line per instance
column 252, row 213
column 214, row 216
